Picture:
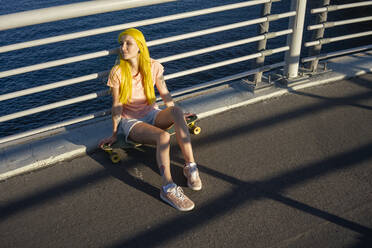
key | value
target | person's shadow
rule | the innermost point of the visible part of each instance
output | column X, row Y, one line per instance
column 139, row 161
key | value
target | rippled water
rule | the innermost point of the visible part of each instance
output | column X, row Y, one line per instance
column 107, row 41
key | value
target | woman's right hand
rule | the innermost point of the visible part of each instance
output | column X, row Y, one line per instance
column 108, row 141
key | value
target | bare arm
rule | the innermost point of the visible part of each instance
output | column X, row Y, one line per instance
column 163, row 91
column 116, row 116
column 116, row 110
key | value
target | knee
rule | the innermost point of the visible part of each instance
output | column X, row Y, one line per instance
column 164, row 138
column 177, row 112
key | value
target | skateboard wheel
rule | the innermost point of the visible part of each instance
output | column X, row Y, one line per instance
column 196, row 130
column 115, row 158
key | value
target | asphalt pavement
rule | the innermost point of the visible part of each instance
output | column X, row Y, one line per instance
column 291, row 171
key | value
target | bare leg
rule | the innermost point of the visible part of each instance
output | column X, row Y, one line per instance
column 148, row 134
column 174, row 115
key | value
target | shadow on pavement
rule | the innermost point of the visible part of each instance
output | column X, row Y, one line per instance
column 242, row 193
column 246, row 193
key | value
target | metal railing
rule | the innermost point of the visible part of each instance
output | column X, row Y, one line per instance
column 290, row 65
column 322, row 24
column 68, row 11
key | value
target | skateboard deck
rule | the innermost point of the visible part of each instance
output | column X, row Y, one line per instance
column 115, row 150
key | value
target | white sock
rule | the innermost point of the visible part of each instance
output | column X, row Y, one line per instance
column 192, row 164
column 168, row 186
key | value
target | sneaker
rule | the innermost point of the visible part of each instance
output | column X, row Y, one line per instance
column 192, row 174
column 174, row 196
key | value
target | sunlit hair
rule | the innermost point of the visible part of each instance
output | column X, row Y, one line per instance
column 144, row 68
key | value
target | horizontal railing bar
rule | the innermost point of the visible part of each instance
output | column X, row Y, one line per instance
column 126, row 25
column 53, row 85
column 223, row 46
column 217, row 29
column 108, row 111
column 337, row 53
column 339, row 7
column 204, row 32
column 57, row 13
column 223, row 63
column 53, row 105
column 226, row 79
column 339, row 23
column 54, row 126
column 57, row 63
column 334, row 39
column 79, row 58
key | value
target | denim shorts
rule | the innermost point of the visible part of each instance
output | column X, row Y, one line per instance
column 126, row 125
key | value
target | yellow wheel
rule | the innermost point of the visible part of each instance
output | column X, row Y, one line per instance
column 115, row 158
column 196, row 130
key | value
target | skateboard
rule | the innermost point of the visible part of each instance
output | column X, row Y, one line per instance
column 115, row 150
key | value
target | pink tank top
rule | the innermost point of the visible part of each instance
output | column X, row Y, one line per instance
column 137, row 106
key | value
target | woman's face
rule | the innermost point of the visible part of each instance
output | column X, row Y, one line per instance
column 128, row 47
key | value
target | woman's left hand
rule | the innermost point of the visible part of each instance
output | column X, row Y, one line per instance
column 109, row 141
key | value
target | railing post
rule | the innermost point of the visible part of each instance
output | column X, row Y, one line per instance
column 294, row 40
column 318, row 34
column 262, row 29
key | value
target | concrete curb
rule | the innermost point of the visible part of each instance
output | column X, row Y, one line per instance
column 30, row 154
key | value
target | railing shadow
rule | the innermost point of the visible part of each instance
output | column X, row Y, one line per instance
column 361, row 81
column 246, row 193
column 349, row 100
column 78, row 183
column 327, row 104
column 243, row 192
column 352, row 69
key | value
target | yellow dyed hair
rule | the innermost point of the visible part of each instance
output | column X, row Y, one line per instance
column 144, row 67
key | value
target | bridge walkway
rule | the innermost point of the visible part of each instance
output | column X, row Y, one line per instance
column 292, row 171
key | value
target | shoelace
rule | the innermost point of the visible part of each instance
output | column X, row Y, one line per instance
column 178, row 192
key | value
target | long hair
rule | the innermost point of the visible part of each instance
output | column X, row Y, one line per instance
column 144, row 67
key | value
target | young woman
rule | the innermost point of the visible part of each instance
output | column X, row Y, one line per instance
column 133, row 107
